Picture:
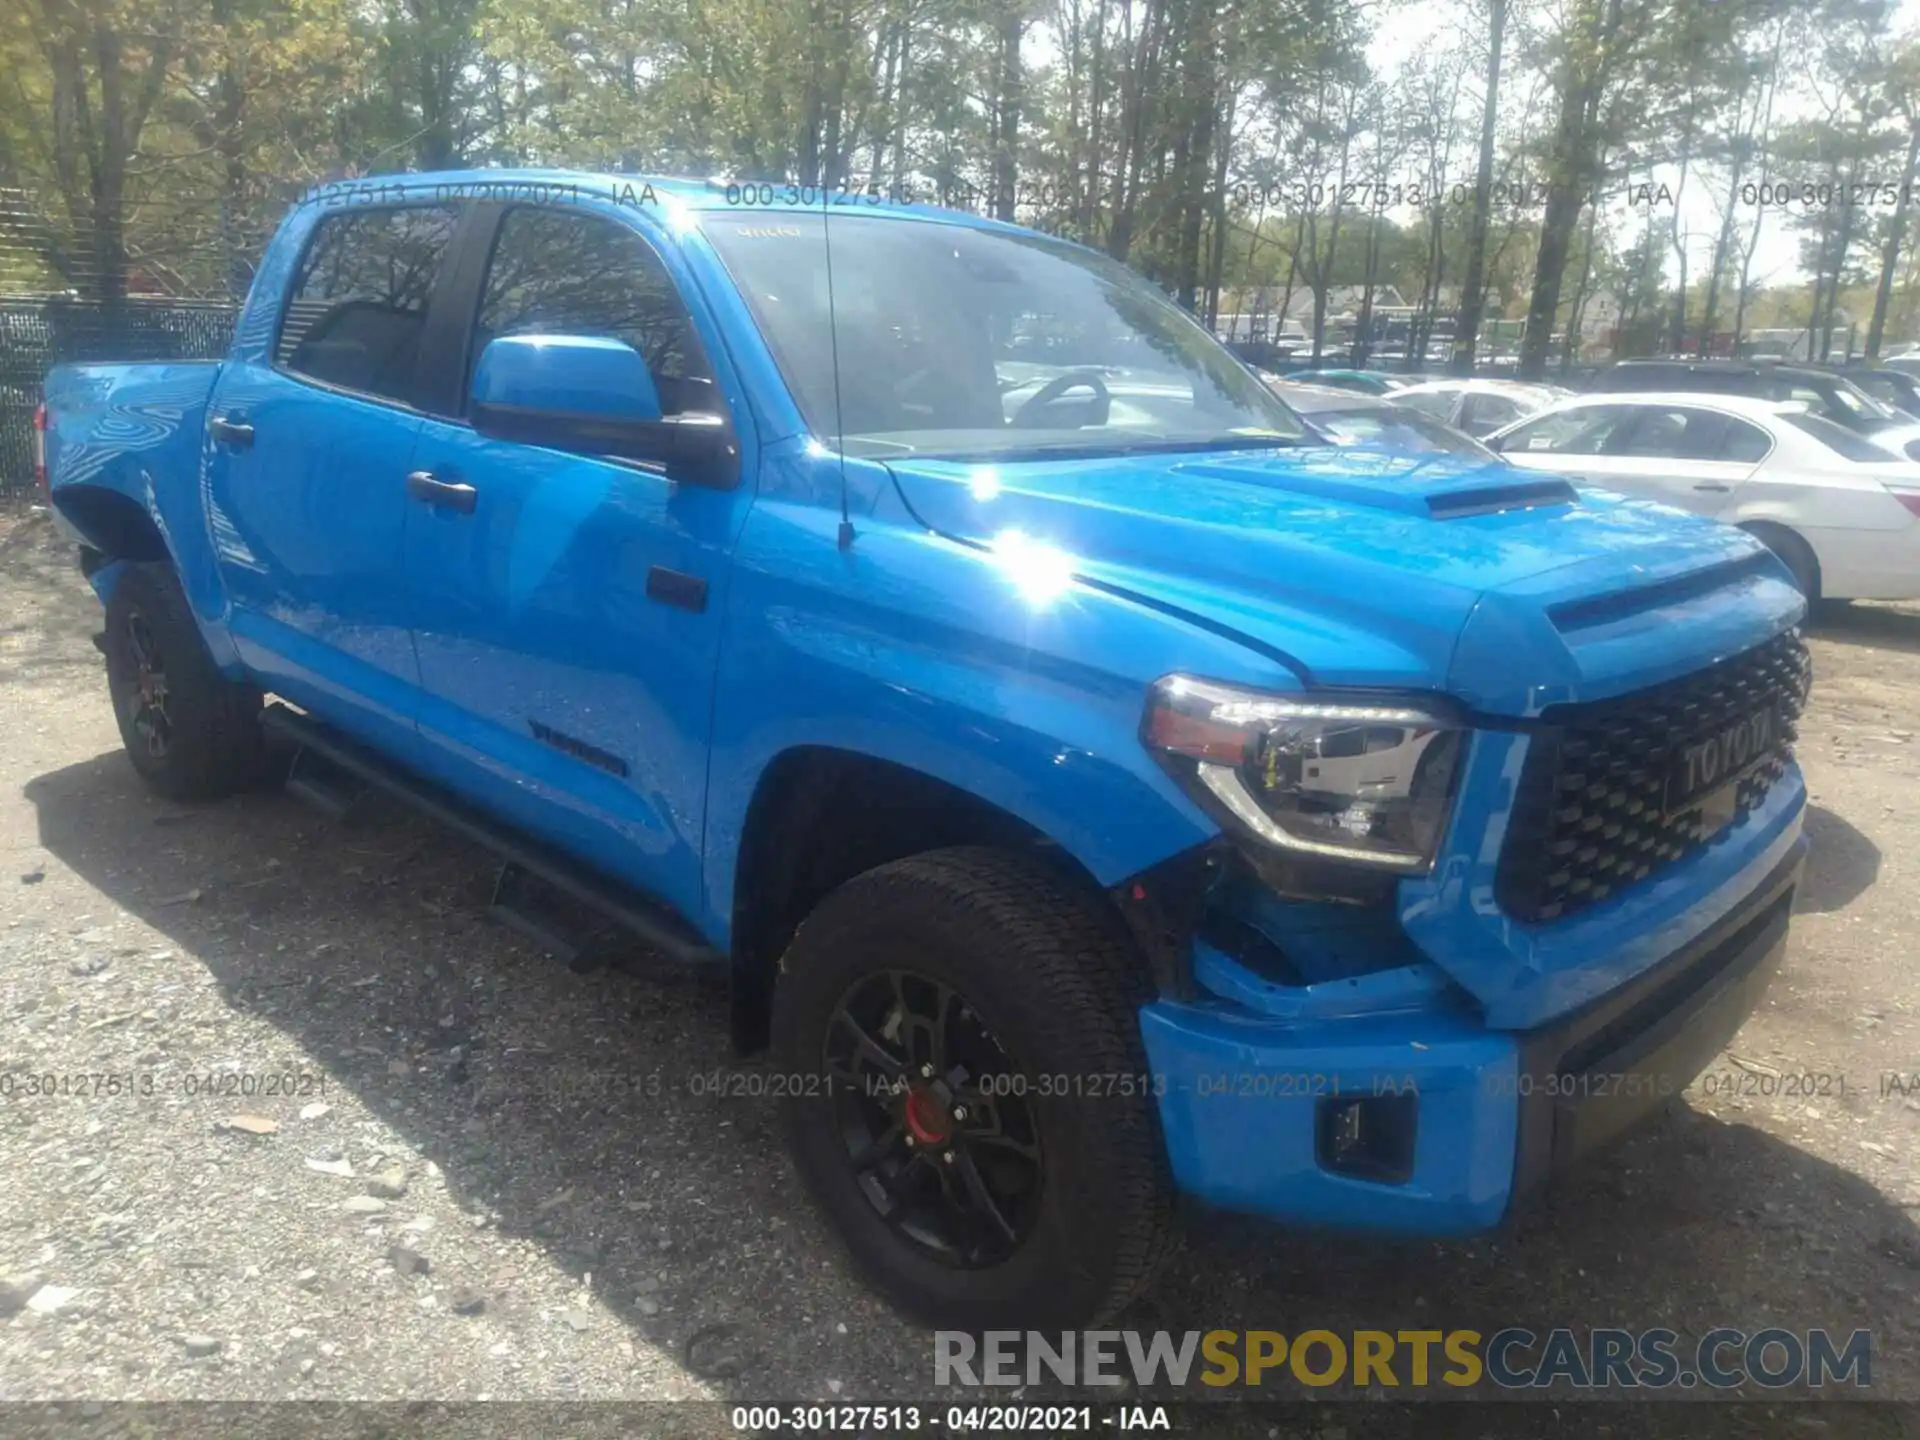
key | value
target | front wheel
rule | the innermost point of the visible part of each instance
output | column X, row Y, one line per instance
column 191, row 733
column 969, row 1102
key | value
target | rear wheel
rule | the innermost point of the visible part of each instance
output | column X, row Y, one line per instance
column 968, row 1102
column 190, row 732
column 1796, row 555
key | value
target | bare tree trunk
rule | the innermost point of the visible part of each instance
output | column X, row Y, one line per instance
column 1007, row 102
column 1090, row 174
column 1217, row 257
column 1570, row 177
column 1576, row 312
column 1890, row 252
column 1473, row 291
column 1676, row 238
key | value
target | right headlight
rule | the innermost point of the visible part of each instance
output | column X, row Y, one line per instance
column 1349, row 780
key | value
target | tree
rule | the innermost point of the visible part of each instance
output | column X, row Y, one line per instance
column 1466, row 330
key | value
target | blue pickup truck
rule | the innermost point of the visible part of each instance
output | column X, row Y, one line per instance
column 1098, row 792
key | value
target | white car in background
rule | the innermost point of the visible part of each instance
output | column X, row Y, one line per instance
column 1843, row 513
column 1479, row 407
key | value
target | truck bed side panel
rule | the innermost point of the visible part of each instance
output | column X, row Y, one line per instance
column 125, row 454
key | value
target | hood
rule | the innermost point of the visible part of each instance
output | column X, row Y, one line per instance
column 1509, row 589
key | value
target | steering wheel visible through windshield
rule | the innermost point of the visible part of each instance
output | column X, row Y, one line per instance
column 976, row 344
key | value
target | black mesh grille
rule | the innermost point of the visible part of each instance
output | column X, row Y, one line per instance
column 1590, row 817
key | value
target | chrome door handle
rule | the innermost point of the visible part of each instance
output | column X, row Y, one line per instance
column 232, row 429
column 447, row 494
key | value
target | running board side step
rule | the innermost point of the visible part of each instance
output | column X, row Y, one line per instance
column 336, row 792
column 524, row 861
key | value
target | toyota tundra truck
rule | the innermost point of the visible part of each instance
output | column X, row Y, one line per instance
column 1106, row 800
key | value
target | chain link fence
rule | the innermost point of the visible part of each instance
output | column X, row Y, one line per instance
column 39, row 332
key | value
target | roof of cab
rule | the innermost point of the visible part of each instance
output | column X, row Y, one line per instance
column 719, row 194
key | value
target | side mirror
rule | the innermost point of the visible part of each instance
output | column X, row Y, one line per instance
column 594, row 396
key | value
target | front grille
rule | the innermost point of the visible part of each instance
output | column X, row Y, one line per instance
column 1590, row 819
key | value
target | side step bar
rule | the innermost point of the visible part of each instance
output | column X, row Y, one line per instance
column 651, row 924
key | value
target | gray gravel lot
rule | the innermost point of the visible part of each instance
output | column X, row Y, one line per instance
column 494, row 1178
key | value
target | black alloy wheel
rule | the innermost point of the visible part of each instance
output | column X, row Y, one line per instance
column 968, row 1096
column 145, row 695
column 935, row 1116
column 191, row 733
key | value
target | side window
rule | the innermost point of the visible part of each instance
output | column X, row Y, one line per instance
column 1744, row 443
column 1671, row 434
column 1485, row 413
column 1437, row 403
column 1581, row 431
column 560, row 272
column 357, row 305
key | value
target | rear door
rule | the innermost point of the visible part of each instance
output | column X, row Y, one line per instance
column 1686, row 455
column 568, row 623
column 312, row 429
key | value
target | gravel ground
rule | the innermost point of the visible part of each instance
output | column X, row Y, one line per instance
column 486, row 1177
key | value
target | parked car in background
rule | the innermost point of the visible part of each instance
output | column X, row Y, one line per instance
column 1897, row 389
column 1364, row 382
column 1842, row 513
column 1478, row 407
column 1823, row 392
column 1266, row 355
column 1373, row 422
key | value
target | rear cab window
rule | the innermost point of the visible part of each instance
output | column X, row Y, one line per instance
column 356, row 306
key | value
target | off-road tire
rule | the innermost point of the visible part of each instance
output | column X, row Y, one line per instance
column 213, row 744
column 1055, row 980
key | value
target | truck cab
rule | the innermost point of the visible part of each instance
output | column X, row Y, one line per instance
column 1097, row 791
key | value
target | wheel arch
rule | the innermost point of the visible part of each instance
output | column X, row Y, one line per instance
column 1783, row 539
column 821, row 815
column 113, row 525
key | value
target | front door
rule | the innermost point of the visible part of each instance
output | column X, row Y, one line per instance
column 567, row 607
column 1686, row 455
column 312, row 431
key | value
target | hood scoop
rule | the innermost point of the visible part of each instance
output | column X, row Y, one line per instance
column 1424, row 487
column 1492, row 499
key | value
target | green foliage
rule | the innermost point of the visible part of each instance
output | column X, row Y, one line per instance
column 1136, row 126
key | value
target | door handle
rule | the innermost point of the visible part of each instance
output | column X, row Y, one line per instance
column 447, row 494
column 1713, row 485
column 232, row 429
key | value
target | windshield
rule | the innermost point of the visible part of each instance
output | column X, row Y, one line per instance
column 1393, row 427
column 973, row 344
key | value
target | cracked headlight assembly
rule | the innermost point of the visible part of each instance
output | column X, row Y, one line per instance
column 1344, row 780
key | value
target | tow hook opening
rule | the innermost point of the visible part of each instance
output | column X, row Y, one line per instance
column 1368, row 1137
